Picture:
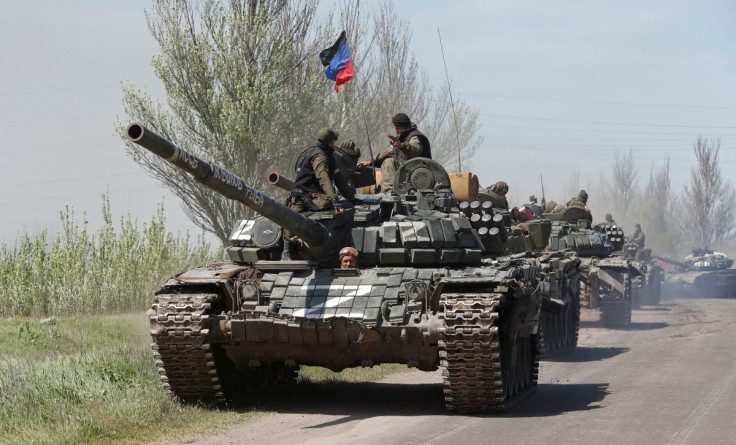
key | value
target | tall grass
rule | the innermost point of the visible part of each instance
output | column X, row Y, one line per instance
column 90, row 380
column 86, row 272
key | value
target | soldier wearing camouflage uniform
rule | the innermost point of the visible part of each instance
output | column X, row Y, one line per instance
column 581, row 201
column 408, row 143
column 638, row 237
column 313, row 189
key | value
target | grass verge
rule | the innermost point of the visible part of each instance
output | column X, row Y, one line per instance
column 93, row 380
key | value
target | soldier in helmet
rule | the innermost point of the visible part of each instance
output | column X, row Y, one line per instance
column 638, row 237
column 609, row 219
column 581, row 201
column 407, row 143
column 348, row 258
column 313, row 189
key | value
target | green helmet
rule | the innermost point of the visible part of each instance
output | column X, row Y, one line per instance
column 326, row 135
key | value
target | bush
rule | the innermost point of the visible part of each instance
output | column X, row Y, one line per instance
column 80, row 272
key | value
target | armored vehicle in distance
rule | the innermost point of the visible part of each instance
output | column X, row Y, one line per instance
column 436, row 287
column 705, row 273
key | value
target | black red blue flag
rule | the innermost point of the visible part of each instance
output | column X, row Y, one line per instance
column 338, row 62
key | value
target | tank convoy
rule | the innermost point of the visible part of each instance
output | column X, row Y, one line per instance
column 705, row 273
column 440, row 284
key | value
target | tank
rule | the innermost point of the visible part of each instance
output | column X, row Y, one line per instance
column 705, row 273
column 438, row 285
column 560, row 317
column 607, row 272
column 648, row 285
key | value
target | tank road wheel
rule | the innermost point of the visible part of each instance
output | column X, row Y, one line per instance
column 483, row 370
column 542, row 335
column 563, row 327
column 180, row 329
column 282, row 376
column 555, row 330
column 573, row 323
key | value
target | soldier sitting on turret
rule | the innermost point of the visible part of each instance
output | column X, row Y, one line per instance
column 408, row 143
column 609, row 219
column 313, row 189
column 497, row 193
column 581, row 201
column 638, row 237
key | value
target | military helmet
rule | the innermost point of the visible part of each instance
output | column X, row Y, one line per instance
column 326, row 135
column 583, row 195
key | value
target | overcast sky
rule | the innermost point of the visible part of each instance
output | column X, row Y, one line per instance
column 560, row 86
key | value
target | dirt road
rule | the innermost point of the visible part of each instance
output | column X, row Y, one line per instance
column 670, row 379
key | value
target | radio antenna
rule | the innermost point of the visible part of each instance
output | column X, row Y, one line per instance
column 452, row 102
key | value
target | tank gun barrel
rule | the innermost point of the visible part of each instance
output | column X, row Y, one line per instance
column 276, row 179
column 229, row 185
column 670, row 261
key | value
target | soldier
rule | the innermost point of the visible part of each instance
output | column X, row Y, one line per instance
column 406, row 144
column 348, row 258
column 581, row 201
column 313, row 189
column 498, row 195
column 522, row 214
column 609, row 219
column 638, row 237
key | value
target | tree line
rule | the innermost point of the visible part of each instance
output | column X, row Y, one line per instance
column 701, row 214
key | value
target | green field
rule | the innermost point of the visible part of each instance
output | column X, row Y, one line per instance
column 92, row 380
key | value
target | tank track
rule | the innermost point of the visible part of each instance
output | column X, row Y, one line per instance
column 615, row 312
column 654, row 289
column 558, row 332
column 180, row 330
column 472, row 356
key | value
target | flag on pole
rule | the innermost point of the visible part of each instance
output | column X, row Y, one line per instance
column 338, row 62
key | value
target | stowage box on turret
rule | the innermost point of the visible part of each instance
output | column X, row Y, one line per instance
column 435, row 287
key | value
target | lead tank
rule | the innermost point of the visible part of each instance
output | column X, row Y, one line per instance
column 705, row 273
column 435, row 288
